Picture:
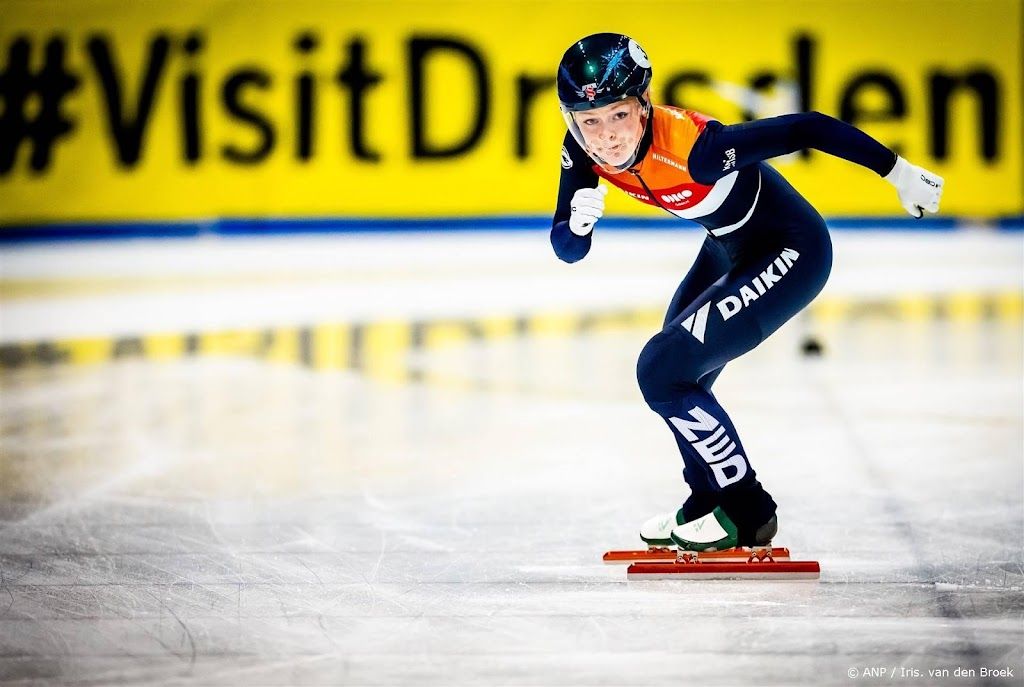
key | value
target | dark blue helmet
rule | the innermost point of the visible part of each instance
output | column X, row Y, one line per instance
column 599, row 70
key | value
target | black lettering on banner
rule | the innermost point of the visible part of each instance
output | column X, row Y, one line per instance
column 358, row 79
column 986, row 89
column 802, row 74
column 34, row 89
column 128, row 132
column 231, row 98
column 805, row 49
column 419, row 50
column 527, row 90
column 42, row 125
column 896, row 104
column 190, row 118
column 677, row 81
column 304, row 100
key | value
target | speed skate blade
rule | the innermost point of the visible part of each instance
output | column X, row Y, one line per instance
column 762, row 570
column 666, row 555
column 640, row 555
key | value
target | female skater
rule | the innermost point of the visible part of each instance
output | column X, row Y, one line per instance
column 766, row 256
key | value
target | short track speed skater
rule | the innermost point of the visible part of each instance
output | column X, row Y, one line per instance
column 766, row 255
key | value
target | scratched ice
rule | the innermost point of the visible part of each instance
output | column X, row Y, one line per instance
column 238, row 522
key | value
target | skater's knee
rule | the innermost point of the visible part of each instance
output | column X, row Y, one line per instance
column 665, row 364
column 650, row 366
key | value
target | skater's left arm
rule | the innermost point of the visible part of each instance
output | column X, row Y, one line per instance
column 721, row 149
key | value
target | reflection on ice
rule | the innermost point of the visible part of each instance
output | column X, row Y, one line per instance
column 225, row 521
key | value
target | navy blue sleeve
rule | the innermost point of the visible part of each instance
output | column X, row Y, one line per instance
column 576, row 174
column 721, row 150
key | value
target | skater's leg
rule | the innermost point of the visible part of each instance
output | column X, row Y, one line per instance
column 711, row 264
column 728, row 319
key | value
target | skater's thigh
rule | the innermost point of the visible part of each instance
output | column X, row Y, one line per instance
column 750, row 302
column 768, row 285
column 711, row 264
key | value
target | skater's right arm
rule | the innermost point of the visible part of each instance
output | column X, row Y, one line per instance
column 580, row 204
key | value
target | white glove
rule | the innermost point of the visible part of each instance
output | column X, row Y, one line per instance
column 918, row 189
column 587, row 207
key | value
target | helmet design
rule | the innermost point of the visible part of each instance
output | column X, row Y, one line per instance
column 599, row 70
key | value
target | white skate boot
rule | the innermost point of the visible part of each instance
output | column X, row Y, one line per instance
column 658, row 530
column 716, row 532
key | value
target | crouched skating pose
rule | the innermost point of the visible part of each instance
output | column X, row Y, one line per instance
column 766, row 256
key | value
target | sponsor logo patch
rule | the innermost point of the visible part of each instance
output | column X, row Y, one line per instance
column 681, row 197
column 669, row 161
column 730, row 159
column 759, row 285
column 638, row 55
column 697, row 322
column 716, row 447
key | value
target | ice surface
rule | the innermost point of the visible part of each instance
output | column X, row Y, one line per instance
column 221, row 521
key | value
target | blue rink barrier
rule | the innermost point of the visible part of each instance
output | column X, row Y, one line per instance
column 88, row 231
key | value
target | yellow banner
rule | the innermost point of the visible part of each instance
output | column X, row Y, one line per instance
column 151, row 110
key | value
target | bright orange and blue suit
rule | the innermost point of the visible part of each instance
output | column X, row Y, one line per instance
column 766, row 256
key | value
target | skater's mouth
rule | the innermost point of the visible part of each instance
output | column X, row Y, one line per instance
column 615, row 150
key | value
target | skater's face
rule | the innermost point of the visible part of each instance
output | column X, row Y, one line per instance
column 613, row 131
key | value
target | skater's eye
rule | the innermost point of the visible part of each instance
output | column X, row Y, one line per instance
column 621, row 115
column 589, row 121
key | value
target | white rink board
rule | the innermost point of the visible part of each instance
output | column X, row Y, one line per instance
column 156, row 286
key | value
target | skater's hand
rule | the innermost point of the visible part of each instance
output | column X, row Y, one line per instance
column 918, row 189
column 587, row 208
